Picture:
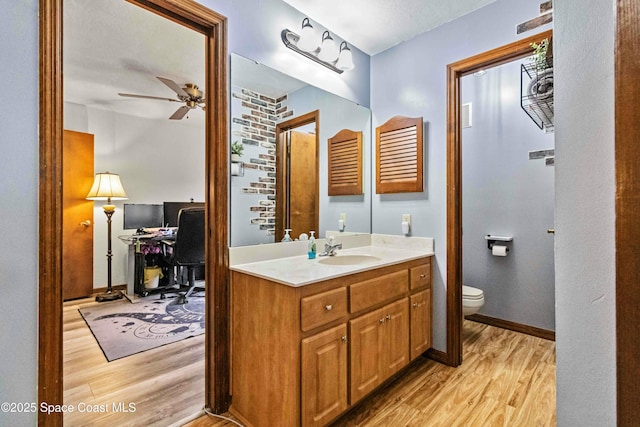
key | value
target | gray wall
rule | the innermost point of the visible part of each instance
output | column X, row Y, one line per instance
column 410, row 79
column 19, row 207
column 337, row 113
column 506, row 194
column 585, row 212
column 585, row 267
column 254, row 32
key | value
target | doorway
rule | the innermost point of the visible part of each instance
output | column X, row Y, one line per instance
column 455, row 72
column 297, row 183
column 508, row 191
column 198, row 18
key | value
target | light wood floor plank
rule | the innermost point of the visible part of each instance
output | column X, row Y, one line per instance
column 166, row 384
column 506, row 379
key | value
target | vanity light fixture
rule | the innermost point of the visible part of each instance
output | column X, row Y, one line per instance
column 327, row 53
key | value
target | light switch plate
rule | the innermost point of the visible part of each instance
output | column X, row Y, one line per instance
column 343, row 216
column 406, row 218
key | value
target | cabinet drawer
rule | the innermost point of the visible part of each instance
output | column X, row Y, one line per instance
column 323, row 308
column 371, row 292
column 420, row 276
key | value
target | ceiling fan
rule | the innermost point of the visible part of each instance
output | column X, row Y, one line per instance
column 189, row 94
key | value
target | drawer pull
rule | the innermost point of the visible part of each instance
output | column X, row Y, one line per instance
column 328, row 307
column 344, row 339
column 422, row 276
column 415, row 305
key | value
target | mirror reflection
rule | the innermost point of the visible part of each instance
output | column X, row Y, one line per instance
column 268, row 111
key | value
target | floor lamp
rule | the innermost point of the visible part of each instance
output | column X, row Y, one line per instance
column 107, row 186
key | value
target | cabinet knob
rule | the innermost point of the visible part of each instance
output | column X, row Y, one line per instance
column 344, row 339
column 388, row 317
column 328, row 307
column 382, row 321
column 422, row 276
column 85, row 224
column 415, row 305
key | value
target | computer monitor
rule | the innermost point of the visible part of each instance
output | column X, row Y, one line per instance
column 138, row 215
column 171, row 210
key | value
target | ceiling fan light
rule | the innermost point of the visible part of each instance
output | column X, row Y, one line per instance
column 328, row 49
column 345, row 60
column 307, row 41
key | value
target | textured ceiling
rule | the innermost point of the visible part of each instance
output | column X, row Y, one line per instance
column 376, row 25
column 112, row 46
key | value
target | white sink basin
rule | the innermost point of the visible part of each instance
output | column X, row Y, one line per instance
column 348, row 259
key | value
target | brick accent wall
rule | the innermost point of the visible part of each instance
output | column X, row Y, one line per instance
column 255, row 126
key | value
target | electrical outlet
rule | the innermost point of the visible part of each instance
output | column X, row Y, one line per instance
column 406, row 218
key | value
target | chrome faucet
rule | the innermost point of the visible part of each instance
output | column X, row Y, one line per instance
column 330, row 248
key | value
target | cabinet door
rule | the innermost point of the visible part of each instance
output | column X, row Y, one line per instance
column 364, row 333
column 394, row 342
column 420, row 323
column 324, row 376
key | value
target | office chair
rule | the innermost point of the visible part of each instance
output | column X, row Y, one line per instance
column 187, row 250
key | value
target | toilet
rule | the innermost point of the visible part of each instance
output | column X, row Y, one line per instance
column 472, row 300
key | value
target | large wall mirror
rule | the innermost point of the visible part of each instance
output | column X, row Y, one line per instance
column 263, row 100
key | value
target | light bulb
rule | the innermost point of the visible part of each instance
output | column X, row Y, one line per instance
column 308, row 41
column 345, row 60
column 328, row 49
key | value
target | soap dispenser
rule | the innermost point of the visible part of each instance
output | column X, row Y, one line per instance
column 312, row 245
column 287, row 236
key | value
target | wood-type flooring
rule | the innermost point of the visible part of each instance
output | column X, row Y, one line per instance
column 159, row 387
column 507, row 379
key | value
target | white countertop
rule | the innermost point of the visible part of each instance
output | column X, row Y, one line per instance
column 299, row 270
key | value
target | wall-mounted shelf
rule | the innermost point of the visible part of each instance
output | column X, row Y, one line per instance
column 536, row 88
column 491, row 239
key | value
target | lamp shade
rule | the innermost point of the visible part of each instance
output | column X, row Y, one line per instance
column 328, row 49
column 107, row 186
column 307, row 41
column 345, row 60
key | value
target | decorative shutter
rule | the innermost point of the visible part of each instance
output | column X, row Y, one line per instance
column 345, row 163
column 399, row 155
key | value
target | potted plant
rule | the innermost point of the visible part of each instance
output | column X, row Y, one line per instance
column 236, row 151
column 541, row 58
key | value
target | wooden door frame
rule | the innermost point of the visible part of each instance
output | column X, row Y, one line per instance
column 282, row 127
column 50, row 356
column 455, row 72
column 627, row 161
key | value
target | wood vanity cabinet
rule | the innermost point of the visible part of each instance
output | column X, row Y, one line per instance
column 301, row 356
column 379, row 347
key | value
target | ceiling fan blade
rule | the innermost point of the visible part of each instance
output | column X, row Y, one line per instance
column 177, row 89
column 131, row 95
column 180, row 113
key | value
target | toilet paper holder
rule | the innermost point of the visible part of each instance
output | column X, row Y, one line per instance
column 491, row 240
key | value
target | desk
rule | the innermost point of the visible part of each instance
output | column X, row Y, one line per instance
column 135, row 258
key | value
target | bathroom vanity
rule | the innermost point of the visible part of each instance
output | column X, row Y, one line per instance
column 311, row 338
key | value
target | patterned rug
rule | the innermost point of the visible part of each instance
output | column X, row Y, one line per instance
column 122, row 328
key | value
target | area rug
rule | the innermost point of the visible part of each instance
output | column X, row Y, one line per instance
column 123, row 329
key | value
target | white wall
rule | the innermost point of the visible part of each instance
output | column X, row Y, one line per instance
column 19, row 208
column 506, row 194
column 157, row 160
column 585, row 212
